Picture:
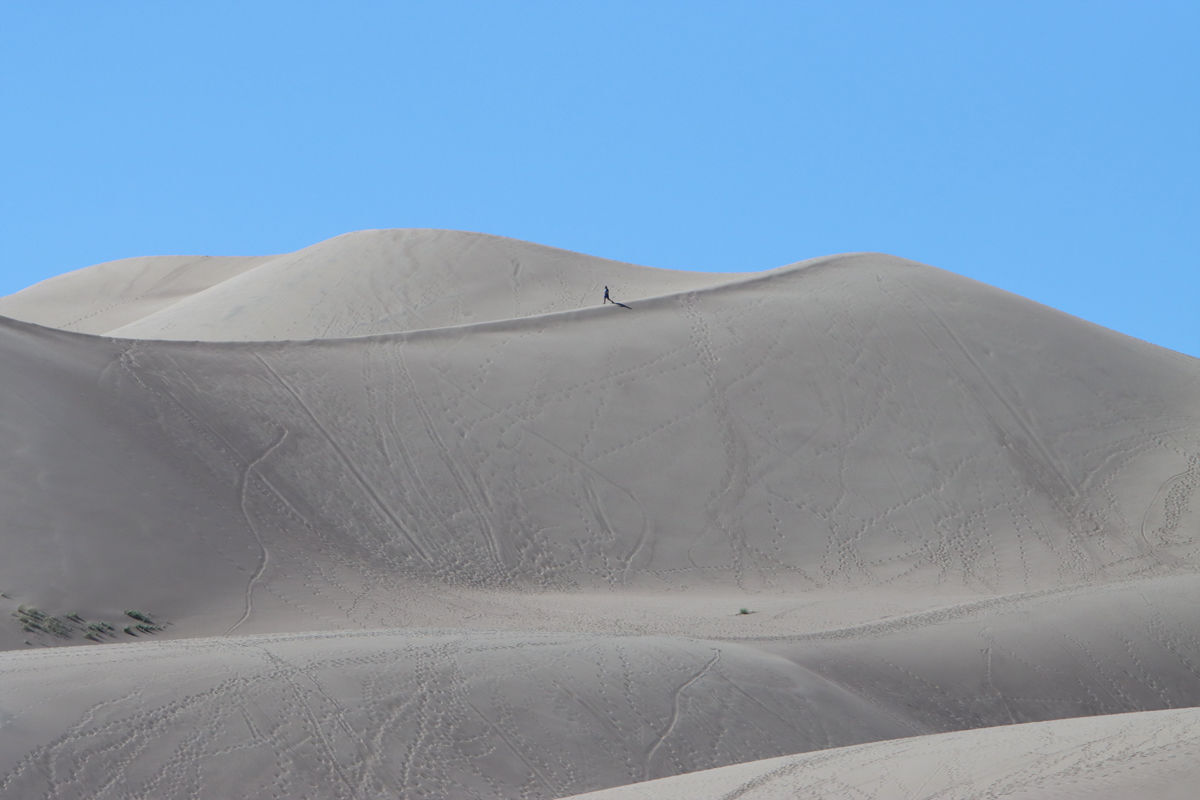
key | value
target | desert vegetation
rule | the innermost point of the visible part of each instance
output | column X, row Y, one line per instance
column 64, row 627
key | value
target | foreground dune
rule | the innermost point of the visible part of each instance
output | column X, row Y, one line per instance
column 1151, row 754
column 416, row 714
column 508, row 532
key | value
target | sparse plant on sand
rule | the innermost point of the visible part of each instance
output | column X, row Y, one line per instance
column 148, row 625
column 744, row 611
column 34, row 620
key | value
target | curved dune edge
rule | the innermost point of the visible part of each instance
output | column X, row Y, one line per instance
column 1148, row 754
column 358, row 284
column 708, row 283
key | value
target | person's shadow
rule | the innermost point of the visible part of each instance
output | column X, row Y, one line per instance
column 622, row 305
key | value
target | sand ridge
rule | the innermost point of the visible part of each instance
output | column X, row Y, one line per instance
column 357, row 284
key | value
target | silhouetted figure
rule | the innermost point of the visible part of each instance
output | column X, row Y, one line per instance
column 608, row 299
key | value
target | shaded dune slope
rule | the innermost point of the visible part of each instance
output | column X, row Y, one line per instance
column 950, row 508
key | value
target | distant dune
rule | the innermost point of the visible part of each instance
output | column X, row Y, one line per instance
column 358, row 284
column 413, row 513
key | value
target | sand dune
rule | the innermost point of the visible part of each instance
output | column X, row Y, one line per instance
column 414, row 714
column 946, row 507
column 104, row 297
column 1151, row 754
column 358, row 284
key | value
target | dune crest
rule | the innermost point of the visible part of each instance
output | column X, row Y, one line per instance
column 357, row 284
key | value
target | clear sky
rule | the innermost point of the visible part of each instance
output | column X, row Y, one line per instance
column 1048, row 148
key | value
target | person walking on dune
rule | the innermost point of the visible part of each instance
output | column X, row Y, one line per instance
column 608, row 299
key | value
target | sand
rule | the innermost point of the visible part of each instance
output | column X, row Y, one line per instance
column 1148, row 754
column 411, row 513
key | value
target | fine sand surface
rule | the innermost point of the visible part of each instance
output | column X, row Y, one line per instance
column 1118, row 757
column 411, row 513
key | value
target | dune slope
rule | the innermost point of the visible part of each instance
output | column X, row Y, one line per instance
column 411, row 714
column 1151, row 754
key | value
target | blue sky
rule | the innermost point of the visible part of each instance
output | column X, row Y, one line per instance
column 1048, row 148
